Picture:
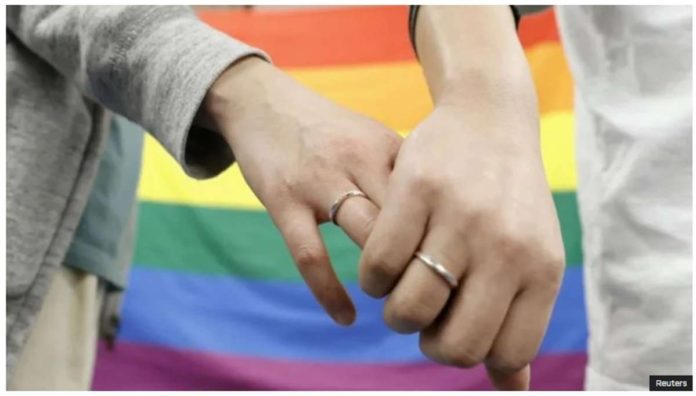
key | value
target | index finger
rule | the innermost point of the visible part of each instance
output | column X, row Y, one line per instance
column 396, row 235
column 301, row 233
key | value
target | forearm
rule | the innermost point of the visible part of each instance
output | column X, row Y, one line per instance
column 152, row 64
column 469, row 51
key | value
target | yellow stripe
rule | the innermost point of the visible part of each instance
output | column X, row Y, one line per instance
column 558, row 150
column 163, row 180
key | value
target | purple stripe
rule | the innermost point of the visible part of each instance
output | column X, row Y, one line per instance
column 146, row 367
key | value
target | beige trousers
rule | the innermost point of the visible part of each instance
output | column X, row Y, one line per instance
column 61, row 348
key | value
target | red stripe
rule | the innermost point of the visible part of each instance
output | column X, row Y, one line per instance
column 341, row 35
column 321, row 36
column 538, row 28
column 147, row 367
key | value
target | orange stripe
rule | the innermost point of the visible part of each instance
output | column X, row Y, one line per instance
column 552, row 78
column 395, row 94
column 335, row 36
column 320, row 37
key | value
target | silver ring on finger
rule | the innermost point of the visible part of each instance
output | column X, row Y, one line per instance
column 340, row 200
column 438, row 268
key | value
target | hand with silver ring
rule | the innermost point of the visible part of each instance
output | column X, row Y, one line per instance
column 439, row 269
column 480, row 209
column 467, row 245
column 333, row 210
column 299, row 152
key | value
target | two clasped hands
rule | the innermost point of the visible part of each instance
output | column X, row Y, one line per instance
column 466, row 189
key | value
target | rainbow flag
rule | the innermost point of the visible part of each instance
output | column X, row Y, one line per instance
column 215, row 301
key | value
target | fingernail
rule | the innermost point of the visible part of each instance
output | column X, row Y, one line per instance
column 345, row 318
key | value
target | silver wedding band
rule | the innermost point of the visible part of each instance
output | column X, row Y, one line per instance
column 438, row 269
column 340, row 200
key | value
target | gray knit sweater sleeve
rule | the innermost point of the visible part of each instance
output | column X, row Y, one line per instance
column 152, row 64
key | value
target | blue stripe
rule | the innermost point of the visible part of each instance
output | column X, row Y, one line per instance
column 281, row 320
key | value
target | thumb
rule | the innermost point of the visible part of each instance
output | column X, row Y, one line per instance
column 517, row 380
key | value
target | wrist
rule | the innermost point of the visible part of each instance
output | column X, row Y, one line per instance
column 497, row 108
column 471, row 50
column 476, row 87
column 234, row 92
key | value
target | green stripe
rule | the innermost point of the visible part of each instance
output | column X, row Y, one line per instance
column 226, row 241
column 567, row 208
column 246, row 243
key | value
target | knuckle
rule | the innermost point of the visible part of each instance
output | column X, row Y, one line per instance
column 461, row 355
column 537, row 263
column 555, row 258
column 476, row 214
column 513, row 245
column 425, row 183
column 549, row 273
column 426, row 343
column 280, row 191
column 377, row 275
column 292, row 185
column 309, row 257
column 406, row 316
column 376, row 266
column 508, row 363
column 544, row 266
column 458, row 206
column 353, row 150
